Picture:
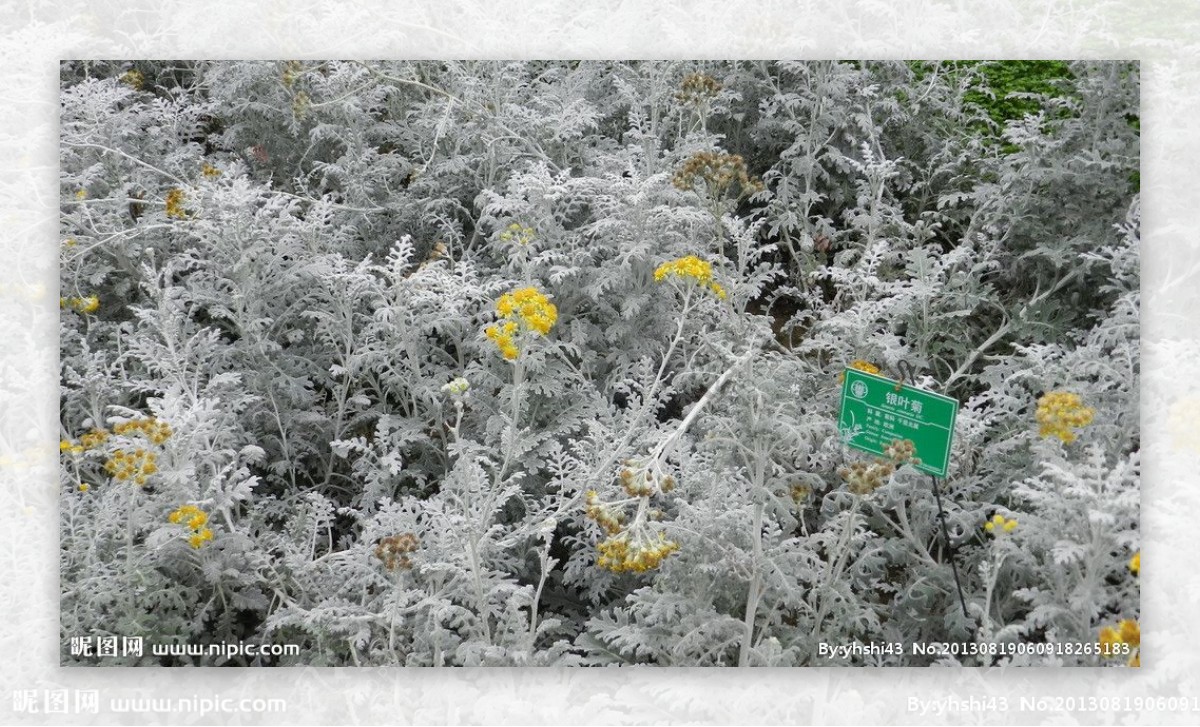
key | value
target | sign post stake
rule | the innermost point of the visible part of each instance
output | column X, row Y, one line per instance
column 950, row 550
column 876, row 411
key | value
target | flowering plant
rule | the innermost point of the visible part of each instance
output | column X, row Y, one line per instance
column 507, row 363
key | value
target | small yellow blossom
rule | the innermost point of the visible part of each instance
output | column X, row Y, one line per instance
column 195, row 519
column 394, row 551
column 134, row 79
column 517, row 234
column 81, row 194
column 999, row 524
column 199, row 538
column 1058, row 412
column 690, row 268
column 1135, row 563
column 457, row 387
column 859, row 365
column 697, row 89
column 84, row 487
column 89, row 304
column 93, row 438
column 1128, row 632
column 300, row 104
column 175, row 198
column 638, row 546
column 209, row 171
column 523, row 309
column 719, row 172
column 622, row 553
column 686, row 267
column 155, row 430
column 137, row 465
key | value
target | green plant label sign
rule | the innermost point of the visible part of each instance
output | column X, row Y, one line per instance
column 874, row 413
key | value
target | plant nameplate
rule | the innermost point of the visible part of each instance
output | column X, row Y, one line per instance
column 874, row 414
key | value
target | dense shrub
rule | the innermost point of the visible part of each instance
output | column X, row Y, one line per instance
column 538, row 363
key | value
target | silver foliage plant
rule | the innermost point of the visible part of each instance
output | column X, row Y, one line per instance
column 537, row 363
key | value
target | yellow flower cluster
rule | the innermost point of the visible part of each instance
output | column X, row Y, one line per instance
column 503, row 337
column 196, row 519
column 999, row 524
column 619, row 555
column 89, row 440
column 136, row 465
column 209, row 171
column 90, row 304
column 395, row 549
column 1126, row 632
column 527, row 309
column 690, row 267
column 175, row 199
column 697, row 88
column 84, row 487
column 1060, row 411
column 134, row 79
column 610, row 520
column 718, row 171
column 291, row 69
column 300, row 104
column 634, row 547
column 1135, row 563
column 517, row 234
column 863, row 478
column 150, row 428
column 860, row 365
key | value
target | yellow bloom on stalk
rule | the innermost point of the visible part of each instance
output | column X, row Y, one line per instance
column 1127, row 632
column 1135, row 563
column 200, row 538
column 686, row 267
column 94, row 438
column 209, row 171
column 155, row 430
column 517, row 234
column 195, row 519
column 693, row 268
column 1000, row 524
column 175, row 199
column 526, row 309
column 134, row 79
column 136, row 465
column 1058, row 412
column 859, row 365
column 619, row 555
column 90, row 304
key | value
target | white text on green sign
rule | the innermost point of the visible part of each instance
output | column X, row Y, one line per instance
column 874, row 414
